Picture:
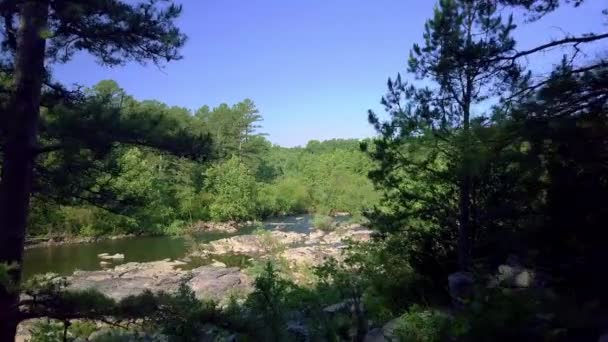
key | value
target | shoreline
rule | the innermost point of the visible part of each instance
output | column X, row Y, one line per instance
column 231, row 227
column 42, row 241
column 197, row 227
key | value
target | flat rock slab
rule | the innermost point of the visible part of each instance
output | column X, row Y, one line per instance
column 208, row 282
column 255, row 245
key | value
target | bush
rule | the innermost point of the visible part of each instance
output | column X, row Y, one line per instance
column 233, row 191
column 422, row 325
column 323, row 222
column 176, row 227
column 267, row 304
column 270, row 245
column 503, row 314
column 47, row 331
column 82, row 329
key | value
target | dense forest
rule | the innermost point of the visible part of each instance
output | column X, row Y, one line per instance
column 486, row 185
column 243, row 177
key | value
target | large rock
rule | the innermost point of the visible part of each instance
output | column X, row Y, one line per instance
column 132, row 278
column 309, row 255
column 216, row 283
column 106, row 256
column 129, row 279
column 461, row 288
column 351, row 232
column 254, row 244
column 513, row 274
column 225, row 227
column 384, row 334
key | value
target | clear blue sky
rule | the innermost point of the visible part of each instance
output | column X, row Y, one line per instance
column 312, row 67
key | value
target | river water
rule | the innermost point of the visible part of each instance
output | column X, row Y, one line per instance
column 67, row 258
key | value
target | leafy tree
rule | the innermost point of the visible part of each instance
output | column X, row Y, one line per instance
column 233, row 190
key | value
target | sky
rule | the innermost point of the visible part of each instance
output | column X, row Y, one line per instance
column 312, row 67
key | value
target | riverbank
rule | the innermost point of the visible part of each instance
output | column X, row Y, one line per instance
column 48, row 241
column 231, row 227
column 64, row 256
column 199, row 227
column 215, row 279
column 208, row 271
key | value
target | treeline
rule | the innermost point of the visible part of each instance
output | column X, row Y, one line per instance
column 141, row 189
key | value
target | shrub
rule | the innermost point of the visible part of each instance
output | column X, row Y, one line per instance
column 47, row 331
column 82, row 329
column 422, row 325
column 233, row 190
column 323, row 222
column 501, row 313
column 267, row 304
column 177, row 227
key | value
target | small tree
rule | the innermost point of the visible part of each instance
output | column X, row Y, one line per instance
column 233, row 191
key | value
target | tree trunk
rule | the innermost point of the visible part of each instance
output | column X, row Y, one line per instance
column 361, row 321
column 464, row 201
column 464, row 223
column 19, row 151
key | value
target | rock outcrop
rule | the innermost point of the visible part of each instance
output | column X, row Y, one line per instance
column 224, row 227
column 309, row 255
column 253, row 244
column 211, row 282
column 300, row 250
column 257, row 245
column 514, row 275
column 208, row 282
column 106, row 256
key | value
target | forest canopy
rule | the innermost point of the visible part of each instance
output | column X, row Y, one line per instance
column 139, row 172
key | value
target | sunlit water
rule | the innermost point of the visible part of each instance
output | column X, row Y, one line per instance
column 65, row 259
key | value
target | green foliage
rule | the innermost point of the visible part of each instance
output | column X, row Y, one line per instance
column 323, row 222
column 501, row 313
column 5, row 276
column 286, row 195
column 267, row 304
column 184, row 316
column 422, row 325
column 47, row 331
column 142, row 169
column 233, row 190
column 269, row 244
column 82, row 329
column 53, row 330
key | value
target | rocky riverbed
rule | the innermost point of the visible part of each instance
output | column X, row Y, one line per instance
column 207, row 282
column 216, row 281
column 261, row 244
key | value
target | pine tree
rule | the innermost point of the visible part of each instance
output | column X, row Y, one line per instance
column 457, row 57
column 52, row 31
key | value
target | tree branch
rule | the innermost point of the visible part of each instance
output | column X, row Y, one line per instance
column 569, row 40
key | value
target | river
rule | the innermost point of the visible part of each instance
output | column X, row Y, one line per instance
column 66, row 258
